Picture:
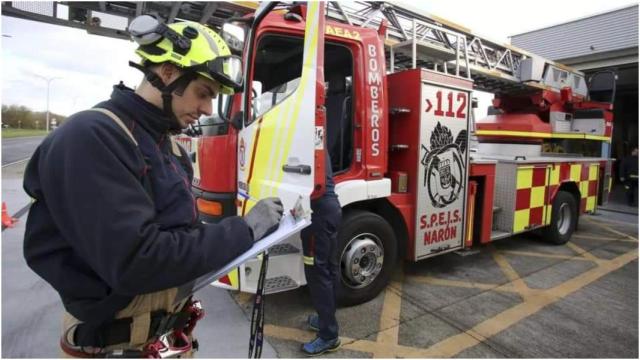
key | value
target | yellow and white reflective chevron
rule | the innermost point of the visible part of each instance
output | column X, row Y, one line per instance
column 286, row 132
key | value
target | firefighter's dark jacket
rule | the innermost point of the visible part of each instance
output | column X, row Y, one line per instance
column 629, row 167
column 112, row 220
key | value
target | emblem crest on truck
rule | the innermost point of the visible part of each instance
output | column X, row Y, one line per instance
column 444, row 165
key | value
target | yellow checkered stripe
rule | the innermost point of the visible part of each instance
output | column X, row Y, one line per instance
column 535, row 186
column 586, row 177
column 532, row 193
column 554, row 183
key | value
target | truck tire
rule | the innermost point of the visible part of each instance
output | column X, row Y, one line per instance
column 367, row 255
column 564, row 219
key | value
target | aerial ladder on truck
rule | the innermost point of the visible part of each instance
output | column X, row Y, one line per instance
column 428, row 41
column 571, row 109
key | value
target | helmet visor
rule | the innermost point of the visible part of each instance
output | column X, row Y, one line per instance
column 227, row 70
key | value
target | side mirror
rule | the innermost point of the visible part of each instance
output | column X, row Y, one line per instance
column 234, row 34
column 236, row 120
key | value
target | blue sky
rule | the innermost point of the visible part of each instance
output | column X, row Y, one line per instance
column 88, row 65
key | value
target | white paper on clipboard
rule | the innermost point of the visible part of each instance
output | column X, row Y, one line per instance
column 288, row 226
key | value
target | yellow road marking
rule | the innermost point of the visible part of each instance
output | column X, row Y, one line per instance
column 455, row 344
column 506, row 287
column 619, row 233
column 594, row 274
column 430, row 280
column 543, row 255
column 518, row 284
column 389, row 322
column 603, row 226
column 605, row 221
column 582, row 252
column 535, row 301
column 602, row 238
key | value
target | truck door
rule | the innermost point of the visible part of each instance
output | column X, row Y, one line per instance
column 281, row 145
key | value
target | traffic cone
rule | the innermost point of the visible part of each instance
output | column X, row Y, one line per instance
column 7, row 220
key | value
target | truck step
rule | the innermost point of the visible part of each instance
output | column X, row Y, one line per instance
column 496, row 209
column 279, row 284
column 497, row 234
column 283, row 249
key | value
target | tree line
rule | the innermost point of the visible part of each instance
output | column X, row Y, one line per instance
column 21, row 117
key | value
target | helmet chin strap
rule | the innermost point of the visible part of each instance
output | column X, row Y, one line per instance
column 167, row 90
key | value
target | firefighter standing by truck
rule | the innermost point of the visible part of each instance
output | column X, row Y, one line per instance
column 320, row 247
column 629, row 172
column 113, row 227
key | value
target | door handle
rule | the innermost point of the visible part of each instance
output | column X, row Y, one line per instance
column 297, row 169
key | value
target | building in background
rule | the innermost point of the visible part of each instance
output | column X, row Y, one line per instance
column 605, row 41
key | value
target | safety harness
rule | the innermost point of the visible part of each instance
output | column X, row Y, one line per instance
column 171, row 336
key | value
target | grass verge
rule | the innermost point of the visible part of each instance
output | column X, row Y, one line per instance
column 14, row 133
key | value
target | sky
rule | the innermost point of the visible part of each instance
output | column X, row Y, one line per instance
column 86, row 66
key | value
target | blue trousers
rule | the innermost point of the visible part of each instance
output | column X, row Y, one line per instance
column 320, row 248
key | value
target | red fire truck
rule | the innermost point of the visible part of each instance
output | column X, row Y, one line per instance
column 388, row 93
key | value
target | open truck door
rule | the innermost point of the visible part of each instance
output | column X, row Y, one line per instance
column 280, row 126
column 281, row 143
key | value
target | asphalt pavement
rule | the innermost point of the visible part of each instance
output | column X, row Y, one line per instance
column 19, row 149
column 519, row 297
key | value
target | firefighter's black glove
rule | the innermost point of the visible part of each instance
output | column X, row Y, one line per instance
column 264, row 217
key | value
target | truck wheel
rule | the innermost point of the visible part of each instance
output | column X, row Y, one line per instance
column 564, row 218
column 367, row 251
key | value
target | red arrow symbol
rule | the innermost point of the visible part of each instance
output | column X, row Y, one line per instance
column 429, row 106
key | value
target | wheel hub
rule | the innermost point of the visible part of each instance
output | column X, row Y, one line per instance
column 564, row 218
column 361, row 260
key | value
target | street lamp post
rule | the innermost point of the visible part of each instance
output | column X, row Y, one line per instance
column 48, row 80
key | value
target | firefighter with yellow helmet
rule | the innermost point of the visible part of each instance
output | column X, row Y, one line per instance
column 114, row 225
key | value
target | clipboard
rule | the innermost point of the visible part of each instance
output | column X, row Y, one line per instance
column 289, row 225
